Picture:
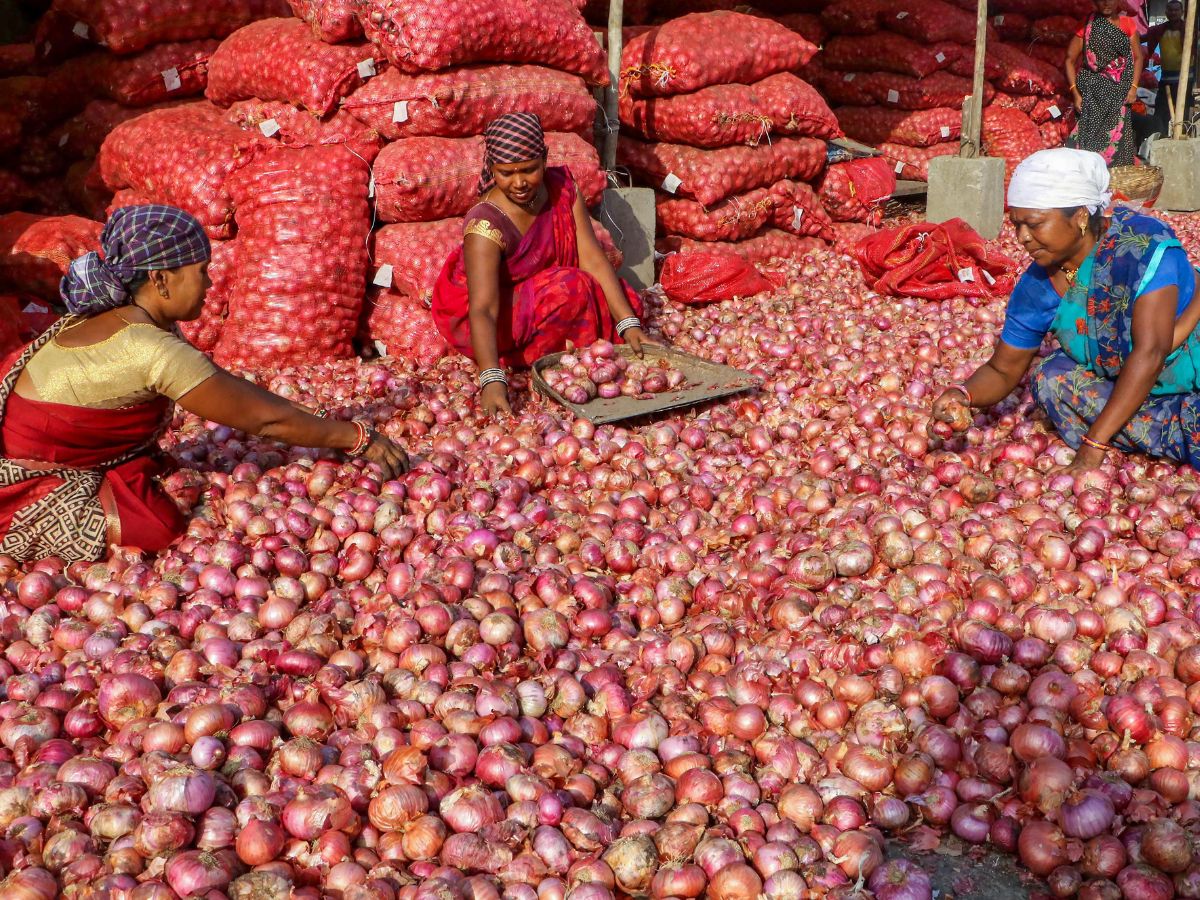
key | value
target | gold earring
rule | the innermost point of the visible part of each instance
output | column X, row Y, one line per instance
column 1082, row 230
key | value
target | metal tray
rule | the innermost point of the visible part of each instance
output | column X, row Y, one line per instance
column 705, row 381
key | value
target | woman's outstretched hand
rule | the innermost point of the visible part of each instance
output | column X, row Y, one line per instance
column 390, row 458
column 636, row 341
column 951, row 410
column 1086, row 459
column 494, row 399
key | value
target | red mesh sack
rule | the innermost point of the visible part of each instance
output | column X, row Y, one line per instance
column 423, row 35
column 1055, row 134
column 299, row 128
column 332, row 21
column 39, row 102
column 403, row 328
column 86, row 191
column 700, row 50
column 461, row 102
column 416, row 251
column 126, row 26
column 854, row 16
column 934, row 262
column 842, row 88
column 165, row 72
column 181, row 156
column 35, row 251
column 17, row 59
column 797, row 210
column 1036, row 9
column 728, row 114
column 1014, row 101
column 1022, row 74
column 303, row 224
column 81, row 136
column 426, row 178
column 10, row 132
column 808, row 26
column 734, row 219
column 888, row 53
column 1011, row 134
column 857, row 191
column 1055, row 30
column 699, row 277
column 280, row 59
column 205, row 332
column 938, row 90
column 919, row 128
column 1011, row 26
column 913, row 162
column 710, row 176
column 931, row 20
column 1048, row 53
column 58, row 37
column 15, row 191
column 769, row 244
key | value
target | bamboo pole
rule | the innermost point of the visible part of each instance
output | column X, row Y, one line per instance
column 616, row 18
column 971, row 145
column 1184, row 95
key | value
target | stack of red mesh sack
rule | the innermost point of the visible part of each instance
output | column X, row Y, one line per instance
column 717, row 122
column 94, row 64
column 448, row 69
column 898, row 72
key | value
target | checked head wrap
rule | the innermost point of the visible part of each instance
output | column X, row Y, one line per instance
column 512, row 138
column 136, row 241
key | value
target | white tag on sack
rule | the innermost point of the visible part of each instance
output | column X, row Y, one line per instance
column 366, row 68
column 999, row 20
column 849, row 76
column 62, row 141
column 1055, row 112
column 945, row 130
column 269, row 127
column 400, row 112
column 80, row 30
column 987, row 276
column 671, row 183
column 171, row 79
column 381, row 348
column 899, row 167
column 966, row 275
column 34, row 307
column 940, row 56
column 383, row 276
column 371, row 188
column 893, row 96
column 797, row 217
column 901, row 15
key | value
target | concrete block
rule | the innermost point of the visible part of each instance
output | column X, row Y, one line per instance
column 1180, row 162
column 628, row 213
column 967, row 189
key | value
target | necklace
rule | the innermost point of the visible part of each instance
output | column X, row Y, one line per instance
column 1069, row 274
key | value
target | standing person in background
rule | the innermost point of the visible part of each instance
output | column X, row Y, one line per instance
column 1167, row 39
column 1104, row 66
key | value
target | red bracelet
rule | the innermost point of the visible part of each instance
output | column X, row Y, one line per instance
column 1096, row 445
column 364, row 439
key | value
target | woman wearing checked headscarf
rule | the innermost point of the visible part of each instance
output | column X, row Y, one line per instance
column 530, row 276
column 82, row 406
column 1119, row 295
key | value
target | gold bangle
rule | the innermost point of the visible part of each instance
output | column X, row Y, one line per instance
column 364, row 440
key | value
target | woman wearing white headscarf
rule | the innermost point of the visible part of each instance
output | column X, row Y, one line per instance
column 1117, row 293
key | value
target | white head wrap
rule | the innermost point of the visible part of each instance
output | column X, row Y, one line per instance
column 1061, row 178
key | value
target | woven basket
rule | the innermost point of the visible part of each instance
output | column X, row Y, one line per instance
column 1136, row 182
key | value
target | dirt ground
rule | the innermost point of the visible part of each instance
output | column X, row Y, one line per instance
column 957, row 875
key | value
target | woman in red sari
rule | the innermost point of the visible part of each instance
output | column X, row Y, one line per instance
column 82, row 406
column 530, row 275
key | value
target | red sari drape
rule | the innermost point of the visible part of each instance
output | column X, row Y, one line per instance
column 104, row 453
column 546, row 299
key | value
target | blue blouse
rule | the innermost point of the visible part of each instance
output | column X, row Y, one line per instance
column 1034, row 301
